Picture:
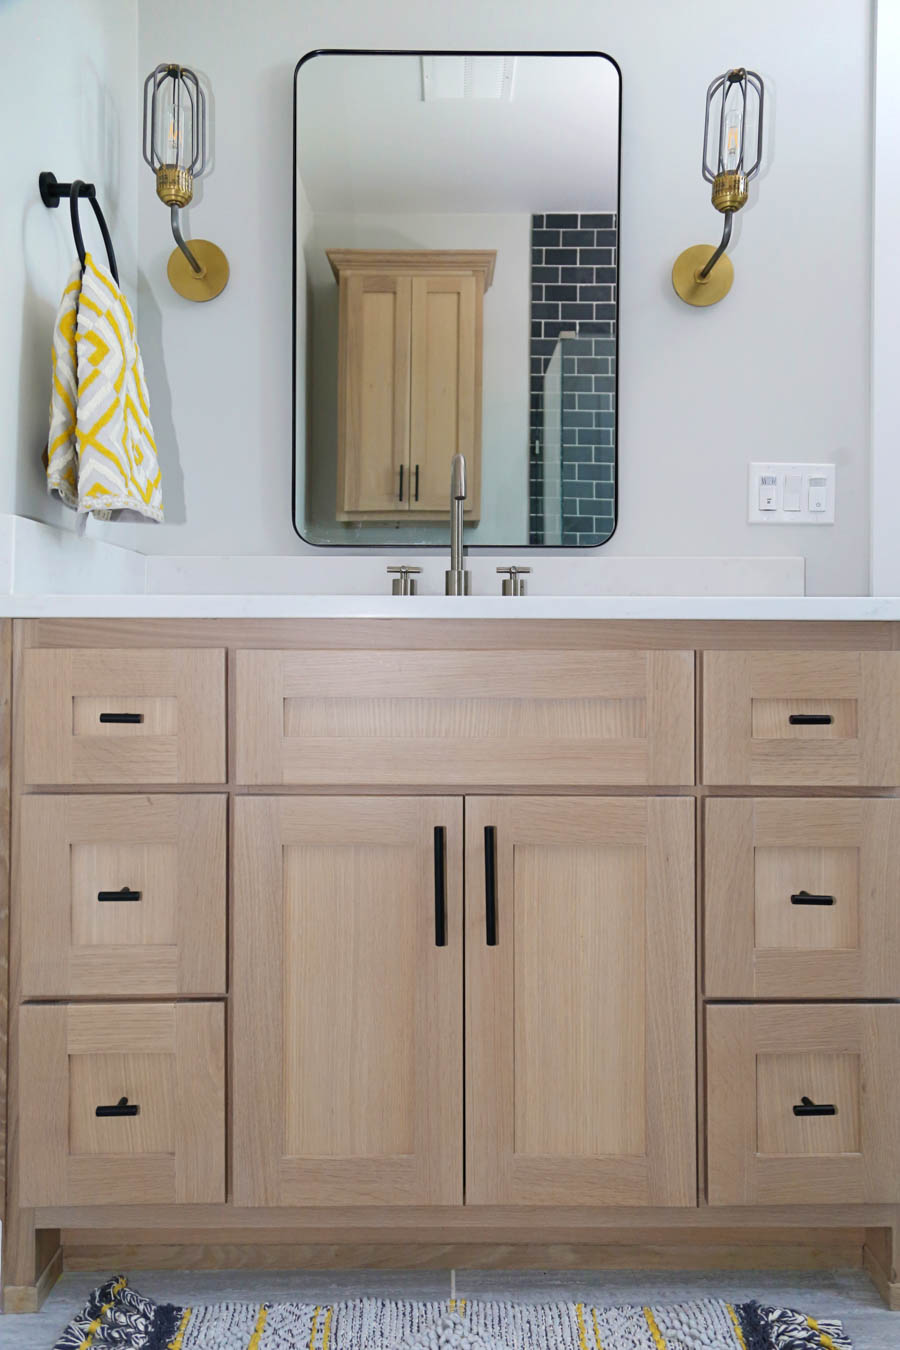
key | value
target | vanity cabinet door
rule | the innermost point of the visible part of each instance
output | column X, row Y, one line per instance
column 347, row 942
column 373, row 403
column 580, row 1014
column 445, row 388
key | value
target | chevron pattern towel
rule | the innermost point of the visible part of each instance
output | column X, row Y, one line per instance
column 118, row 1318
column 100, row 453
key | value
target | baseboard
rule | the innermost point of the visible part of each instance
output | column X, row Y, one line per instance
column 28, row 1298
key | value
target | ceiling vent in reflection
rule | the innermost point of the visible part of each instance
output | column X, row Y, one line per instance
column 482, row 77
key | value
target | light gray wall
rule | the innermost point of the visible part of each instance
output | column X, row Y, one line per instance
column 779, row 370
column 504, row 487
column 68, row 103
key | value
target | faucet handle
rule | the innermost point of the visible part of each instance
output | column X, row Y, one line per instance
column 514, row 581
column 404, row 583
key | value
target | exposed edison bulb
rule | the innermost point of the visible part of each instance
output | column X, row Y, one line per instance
column 731, row 149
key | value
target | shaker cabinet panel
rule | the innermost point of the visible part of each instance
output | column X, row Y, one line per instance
column 94, row 716
column 580, row 1016
column 373, row 404
column 802, row 898
column 122, row 895
column 122, row 1104
column 803, row 1104
column 816, row 719
column 348, row 1001
column 411, row 718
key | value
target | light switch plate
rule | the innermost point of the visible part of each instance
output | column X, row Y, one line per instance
column 816, row 484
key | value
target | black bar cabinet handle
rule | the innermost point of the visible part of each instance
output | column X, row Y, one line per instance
column 417, row 482
column 127, row 718
column 400, row 493
column 440, row 886
column 123, row 894
column 810, row 1108
column 490, row 885
column 121, row 1108
column 810, row 719
column 804, row 898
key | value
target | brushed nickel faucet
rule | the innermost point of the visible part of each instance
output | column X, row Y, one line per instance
column 457, row 580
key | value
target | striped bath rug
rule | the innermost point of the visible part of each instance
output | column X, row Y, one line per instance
column 120, row 1317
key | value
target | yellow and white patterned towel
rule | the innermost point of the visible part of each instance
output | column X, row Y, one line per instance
column 100, row 454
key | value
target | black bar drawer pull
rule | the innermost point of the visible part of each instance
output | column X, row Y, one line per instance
column 123, row 894
column 809, row 1108
column 440, row 886
column 121, row 1108
column 490, row 885
column 417, row 482
column 810, row 719
column 400, row 493
column 804, row 898
column 128, row 719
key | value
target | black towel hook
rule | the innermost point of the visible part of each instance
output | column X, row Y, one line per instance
column 51, row 193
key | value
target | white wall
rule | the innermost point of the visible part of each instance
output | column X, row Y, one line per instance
column 507, row 318
column 68, row 103
column 778, row 370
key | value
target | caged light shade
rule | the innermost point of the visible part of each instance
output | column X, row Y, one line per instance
column 175, row 148
column 732, row 155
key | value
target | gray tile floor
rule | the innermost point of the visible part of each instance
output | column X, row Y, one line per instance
column 846, row 1294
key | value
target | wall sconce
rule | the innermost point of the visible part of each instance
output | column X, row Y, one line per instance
column 174, row 146
column 703, row 275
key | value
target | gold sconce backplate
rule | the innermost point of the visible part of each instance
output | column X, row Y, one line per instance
column 214, row 277
column 686, row 276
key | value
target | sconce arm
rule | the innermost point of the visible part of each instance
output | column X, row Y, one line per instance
column 179, row 240
column 726, row 235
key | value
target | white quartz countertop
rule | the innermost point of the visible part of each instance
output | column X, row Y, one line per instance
column 789, row 609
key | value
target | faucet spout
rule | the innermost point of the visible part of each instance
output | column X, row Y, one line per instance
column 457, row 581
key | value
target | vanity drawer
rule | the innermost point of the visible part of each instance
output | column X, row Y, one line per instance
column 817, row 719
column 122, row 1104
column 802, row 898
column 495, row 718
column 803, row 1104
column 137, row 716
column 122, row 895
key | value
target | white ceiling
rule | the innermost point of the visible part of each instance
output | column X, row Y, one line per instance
column 368, row 142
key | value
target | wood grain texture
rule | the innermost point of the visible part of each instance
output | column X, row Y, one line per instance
column 181, row 694
column 749, row 698
column 168, row 1059
column 760, row 852
column 721, row 1251
column 29, row 1298
column 452, row 717
column 761, row 1059
column 347, row 1016
column 170, row 849
column 554, row 1026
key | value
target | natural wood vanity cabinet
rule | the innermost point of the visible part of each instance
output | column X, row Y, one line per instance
column 463, row 1005
column 580, row 1081
column 348, row 1001
column 409, row 380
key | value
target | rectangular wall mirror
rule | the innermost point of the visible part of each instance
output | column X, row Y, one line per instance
column 455, row 235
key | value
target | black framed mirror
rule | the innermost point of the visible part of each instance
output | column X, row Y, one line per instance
column 456, row 225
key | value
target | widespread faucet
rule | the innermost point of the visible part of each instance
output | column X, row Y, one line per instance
column 457, row 580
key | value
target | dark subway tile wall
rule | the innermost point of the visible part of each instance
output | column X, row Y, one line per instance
column 573, row 275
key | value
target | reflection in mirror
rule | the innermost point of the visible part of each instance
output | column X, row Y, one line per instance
column 456, row 223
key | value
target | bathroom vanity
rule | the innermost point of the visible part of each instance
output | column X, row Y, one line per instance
column 458, row 941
